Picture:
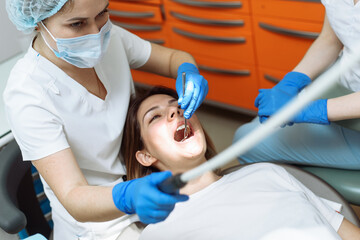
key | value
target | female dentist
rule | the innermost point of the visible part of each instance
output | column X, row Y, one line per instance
column 66, row 102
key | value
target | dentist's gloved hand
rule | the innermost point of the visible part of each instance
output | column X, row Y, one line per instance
column 196, row 89
column 271, row 100
column 142, row 196
column 315, row 112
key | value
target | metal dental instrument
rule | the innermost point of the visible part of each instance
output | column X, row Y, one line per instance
column 183, row 84
column 322, row 84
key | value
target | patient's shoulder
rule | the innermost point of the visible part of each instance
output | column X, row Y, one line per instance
column 260, row 172
column 262, row 168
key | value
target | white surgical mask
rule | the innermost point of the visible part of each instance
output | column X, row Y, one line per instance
column 85, row 51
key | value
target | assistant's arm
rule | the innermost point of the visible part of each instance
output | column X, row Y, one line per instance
column 322, row 53
column 84, row 202
column 349, row 231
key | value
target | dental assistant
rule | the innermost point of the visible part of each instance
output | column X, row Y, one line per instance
column 315, row 137
column 66, row 102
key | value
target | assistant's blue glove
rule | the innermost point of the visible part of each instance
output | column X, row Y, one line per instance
column 196, row 89
column 142, row 196
column 315, row 112
column 271, row 100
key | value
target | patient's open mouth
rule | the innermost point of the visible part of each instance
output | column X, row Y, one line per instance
column 179, row 133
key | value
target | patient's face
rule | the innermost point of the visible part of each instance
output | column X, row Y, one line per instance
column 161, row 122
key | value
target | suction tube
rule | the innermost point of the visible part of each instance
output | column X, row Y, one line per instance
column 322, row 84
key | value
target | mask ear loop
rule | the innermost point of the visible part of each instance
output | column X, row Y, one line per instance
column 48, row 31
column 46, row 42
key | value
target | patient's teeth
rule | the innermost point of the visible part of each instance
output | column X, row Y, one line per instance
column 180, row 127
column 179, row 133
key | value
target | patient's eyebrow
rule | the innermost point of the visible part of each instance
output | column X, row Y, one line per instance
column 151, row 109
column 170, row 102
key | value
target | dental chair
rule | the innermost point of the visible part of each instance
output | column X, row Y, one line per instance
column 19, row 204
column 20, row 207
column 318, row 186
column 346, row 182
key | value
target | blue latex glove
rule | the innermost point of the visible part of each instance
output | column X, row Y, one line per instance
column 196, row 89
column 280, row 94
column 142, row 196
column 315, row 112
column 292, row 83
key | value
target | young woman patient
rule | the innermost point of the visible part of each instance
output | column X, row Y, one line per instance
column 259, row 201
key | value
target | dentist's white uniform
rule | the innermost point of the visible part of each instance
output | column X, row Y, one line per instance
column 49, row 111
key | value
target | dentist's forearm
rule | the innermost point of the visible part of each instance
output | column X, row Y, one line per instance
column 91, row 204
column 178, row 58
column 166, row 61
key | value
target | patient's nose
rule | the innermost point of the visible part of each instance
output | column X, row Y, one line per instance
column 175, row 112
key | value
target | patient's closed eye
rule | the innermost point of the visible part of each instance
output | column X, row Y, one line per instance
column 154, row 117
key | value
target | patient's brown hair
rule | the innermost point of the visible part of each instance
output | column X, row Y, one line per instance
column 132, row 141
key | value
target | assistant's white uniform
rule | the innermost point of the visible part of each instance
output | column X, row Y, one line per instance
column 48, row 111
column 344, row 19
column 258, row 202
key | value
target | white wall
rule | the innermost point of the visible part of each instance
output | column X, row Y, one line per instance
column 12, row 45
column 11, row 40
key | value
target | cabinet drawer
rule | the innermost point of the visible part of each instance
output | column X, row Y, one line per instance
column 270, row 77
column 152, row 79
column 229, row 82
column 308, row 10
column 154, row 2
column 212, row 6
column 235, row 22
column 281, row 44
column 221, row 43
column 155, row 33
column 136, row 12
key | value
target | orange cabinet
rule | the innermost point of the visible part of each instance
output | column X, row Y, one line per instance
column 152, row 79
column 218, row 33
column 230, row 83
column 239, row 45
column 304, row 10
column 224, row 43
column 143, row 19
column 146, row 19
column 283, row 32
column 269, row 77
column 212, row 6
column 281, row 43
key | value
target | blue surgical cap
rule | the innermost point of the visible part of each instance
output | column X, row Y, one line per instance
column 25, row 14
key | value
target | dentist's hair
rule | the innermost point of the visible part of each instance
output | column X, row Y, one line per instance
column 132, row 141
